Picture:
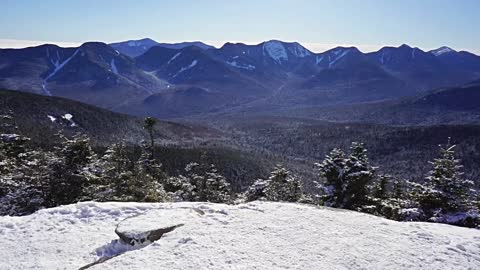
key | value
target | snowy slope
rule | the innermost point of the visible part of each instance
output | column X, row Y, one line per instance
column 257, row 235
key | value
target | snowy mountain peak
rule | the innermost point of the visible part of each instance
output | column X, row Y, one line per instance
column 298, row 50
column 442, row 50
column 141, row 42
column 275, row 50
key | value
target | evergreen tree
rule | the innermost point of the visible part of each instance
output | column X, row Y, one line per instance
column 201, row 184
column 380, row 190
column 280, row 186
column 332, row 170
column 346, row 179
column 112, row 174
column 445, row 190
column 217, row 189
column 398, row 190
column 358, row 175
column 149, row 124
column 257, row 191
column 146, row 183
column 70, row 170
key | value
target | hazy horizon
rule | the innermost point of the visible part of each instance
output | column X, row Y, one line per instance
column 368, row 25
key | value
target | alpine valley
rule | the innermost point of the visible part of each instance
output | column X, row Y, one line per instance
column 193, row 79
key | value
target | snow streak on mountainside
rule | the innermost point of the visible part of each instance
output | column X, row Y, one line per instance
column 257, row 235
column 339, row 54
column 441, row 50
column 299, row 51
column 238, row 65
column 276, row 51
column 194, row 63
column 58, row 67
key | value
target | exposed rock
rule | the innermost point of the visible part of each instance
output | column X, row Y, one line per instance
column 147, row 228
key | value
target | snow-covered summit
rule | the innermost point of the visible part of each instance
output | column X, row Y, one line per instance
column 258, row 235
column 275, row 50
column 279, row 51
column 442, row 50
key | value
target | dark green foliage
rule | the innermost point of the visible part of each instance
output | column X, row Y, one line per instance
column 70, row 170
column 401, row 151
column 380, row 189
column 445, row 190
column 332, row 170
column 201, row 183
column 281, row 186
column 148, row 125
column 346, row 179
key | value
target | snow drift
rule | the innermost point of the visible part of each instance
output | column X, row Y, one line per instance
column 258, row 235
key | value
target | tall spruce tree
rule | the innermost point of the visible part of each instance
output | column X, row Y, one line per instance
column 70, row 170
column 332, row 170
column 445, row 189
column 149, row 124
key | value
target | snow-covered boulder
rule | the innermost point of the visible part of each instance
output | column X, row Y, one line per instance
column 149, row 227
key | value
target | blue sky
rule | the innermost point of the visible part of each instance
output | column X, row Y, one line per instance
column 318, row 24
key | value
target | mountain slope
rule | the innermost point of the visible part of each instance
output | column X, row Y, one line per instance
column 40, row 117
column 93, row 73
column 455, row 105
column 217, row 236
column 191, row 78
column 421, row 70
column 134, row 48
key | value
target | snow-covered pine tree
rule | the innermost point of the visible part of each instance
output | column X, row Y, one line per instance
column 200, row 183
column 111, row 175
column 217, row 189
column 445, row 190
column 332, row 170
column 70, row 169
column 282, row 186
column 380, row 189
column 346, row 179
column 148, row 178
column 256, row 191
column 358, row 175
column 23, row 172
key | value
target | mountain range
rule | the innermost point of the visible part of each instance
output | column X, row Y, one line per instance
column 144, row 77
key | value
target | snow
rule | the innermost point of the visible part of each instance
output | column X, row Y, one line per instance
column 53, row 119
column 194, row 63
column 134, row 43
column 299, row 51
column 69, row 118
column 339, row 54
column 241, row 66
column 257, row 235
column 114, row 68
column 442, row 50
column 275, row 50
column 174, row 57
column 58, row 67
column 318, row 59
column 382, row 58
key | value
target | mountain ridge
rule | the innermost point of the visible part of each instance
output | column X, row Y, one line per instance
column 163, row 81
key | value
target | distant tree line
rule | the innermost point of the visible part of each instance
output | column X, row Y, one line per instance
column 33, row 178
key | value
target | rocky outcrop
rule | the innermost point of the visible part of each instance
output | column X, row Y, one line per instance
column 147, row 228
column 139, row 231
